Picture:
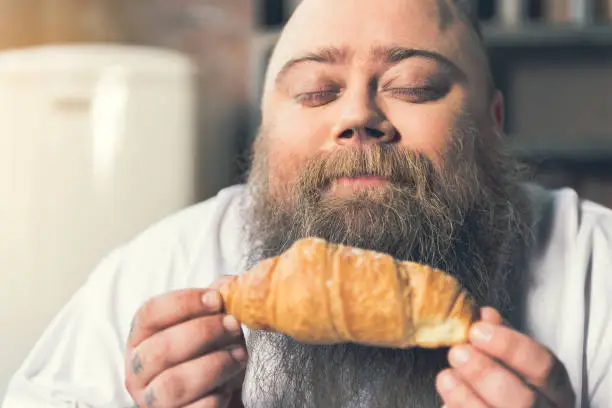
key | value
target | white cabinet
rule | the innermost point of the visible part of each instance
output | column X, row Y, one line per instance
column 96, row 143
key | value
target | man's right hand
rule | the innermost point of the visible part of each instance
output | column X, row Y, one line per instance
column 183, row 351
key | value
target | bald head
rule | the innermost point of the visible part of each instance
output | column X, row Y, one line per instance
column 448, row 27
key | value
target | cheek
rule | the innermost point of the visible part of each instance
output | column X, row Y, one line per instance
column 426, row 128
column 284, row 164
column 293, row 138
column 299, row 130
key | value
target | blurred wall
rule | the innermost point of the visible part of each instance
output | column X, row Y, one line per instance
column 214, row 34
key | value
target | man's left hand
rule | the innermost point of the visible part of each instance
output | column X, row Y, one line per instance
column 501, row 368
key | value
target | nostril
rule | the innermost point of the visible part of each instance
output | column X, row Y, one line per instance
column 366, row 133
column 375, row 133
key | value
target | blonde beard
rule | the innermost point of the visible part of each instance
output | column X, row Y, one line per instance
column 468, row 218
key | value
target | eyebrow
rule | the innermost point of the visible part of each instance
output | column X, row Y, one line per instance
column 389, row 55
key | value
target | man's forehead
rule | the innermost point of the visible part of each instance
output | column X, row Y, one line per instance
column 357, row 25
column 381, row 54
column 441, row 11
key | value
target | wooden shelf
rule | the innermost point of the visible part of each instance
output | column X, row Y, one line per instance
column 548, row 35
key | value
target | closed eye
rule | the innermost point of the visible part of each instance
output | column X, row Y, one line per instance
column 317, row 98
column 419, row 94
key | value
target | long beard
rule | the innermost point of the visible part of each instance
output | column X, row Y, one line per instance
column 468, row 218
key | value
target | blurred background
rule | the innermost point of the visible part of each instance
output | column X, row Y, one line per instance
column 114, row 114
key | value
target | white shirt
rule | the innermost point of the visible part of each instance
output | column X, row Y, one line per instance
column 79, row 361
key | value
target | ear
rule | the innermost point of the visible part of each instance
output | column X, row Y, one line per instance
column 497, row 109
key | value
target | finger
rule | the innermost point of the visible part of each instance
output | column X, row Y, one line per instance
column 456, row 393
column 212, row 401
column 490, row 315
column 181, row 343
column 493, row 382
column 171, row 309
column 222, row 281
column 531, row 360
column 193, row 380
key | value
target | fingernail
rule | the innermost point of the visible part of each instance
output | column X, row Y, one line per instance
column 211, row 300
column 482, row 333
column 447, row 381
column 231, row 324
column 459, row 355
column 238, row 353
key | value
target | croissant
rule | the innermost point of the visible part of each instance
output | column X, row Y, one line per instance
column 322, row 293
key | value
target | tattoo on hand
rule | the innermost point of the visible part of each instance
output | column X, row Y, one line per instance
column 132, row 326
column 137, row 364
column 150, row 398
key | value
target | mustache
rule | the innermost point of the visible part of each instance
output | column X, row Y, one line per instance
column 399, row 166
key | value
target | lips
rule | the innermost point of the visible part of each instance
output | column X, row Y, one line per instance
column 344, row 185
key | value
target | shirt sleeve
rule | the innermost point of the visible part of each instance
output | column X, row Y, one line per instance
column 598, row 345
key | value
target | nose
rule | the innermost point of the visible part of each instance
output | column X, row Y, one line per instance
column 362, row 121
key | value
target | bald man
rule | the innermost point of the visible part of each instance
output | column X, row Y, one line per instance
column 381, row 129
